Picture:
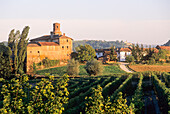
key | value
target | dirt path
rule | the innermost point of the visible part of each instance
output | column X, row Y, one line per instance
column 123, row 67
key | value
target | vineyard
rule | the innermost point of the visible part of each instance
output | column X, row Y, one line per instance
column 148, row 92
column 145, row 92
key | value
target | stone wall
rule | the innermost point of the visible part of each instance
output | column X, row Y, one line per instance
column 36, row 52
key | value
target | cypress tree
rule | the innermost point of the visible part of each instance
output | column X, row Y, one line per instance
column 22, row 46
column 15, row 49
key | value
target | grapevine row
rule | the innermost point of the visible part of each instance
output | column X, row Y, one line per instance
column 163, row 92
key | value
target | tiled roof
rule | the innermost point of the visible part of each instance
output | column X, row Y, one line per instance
column 46, row 37
column 102, row 50
column 165, row 47
column 125, row 49
column 48, row 43
column 35, row 44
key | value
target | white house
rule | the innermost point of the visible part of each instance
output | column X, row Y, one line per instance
column 123, row 52
column 101, row 52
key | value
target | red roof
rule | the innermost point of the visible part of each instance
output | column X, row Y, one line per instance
column 35, row 44
column 165, row 47
column 48, row 43
column 125, row 49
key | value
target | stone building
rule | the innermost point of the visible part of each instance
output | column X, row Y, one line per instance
column 56, row 46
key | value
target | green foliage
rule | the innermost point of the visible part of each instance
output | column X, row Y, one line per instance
column 99, row 44
column 137, row 100
column 130, row 59
column 97, row 105
column 14, row 94
column 113, row 54
column 94, row 67
column 95, row 102
column 5, row 62
column 34, row 68
column 5, row 67
column 59, row 71
column 18, row 43
column 120, row 105
column 73, row 67
column 22, row 49
column 48, row 96
column 48, row 63
column 85, row 53
column 163, row 92
column 122, row 87
column 152, row 61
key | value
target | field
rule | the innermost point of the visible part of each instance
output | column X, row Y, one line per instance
column 59, row 71
column 141, row 68
column 153, row 91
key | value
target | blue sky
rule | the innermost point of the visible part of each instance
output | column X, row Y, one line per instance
column 142, row 21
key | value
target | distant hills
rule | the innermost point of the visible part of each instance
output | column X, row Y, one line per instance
column 167, row 44
column 100, row 44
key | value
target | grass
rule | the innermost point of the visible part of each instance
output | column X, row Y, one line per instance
column 141, row 68
column 59, row 71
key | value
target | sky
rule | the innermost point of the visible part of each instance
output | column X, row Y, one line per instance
column 136, row 21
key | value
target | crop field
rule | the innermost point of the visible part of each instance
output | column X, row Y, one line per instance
column 141, row 68
column 147, row 92
column 151, row 90
column 59, row 71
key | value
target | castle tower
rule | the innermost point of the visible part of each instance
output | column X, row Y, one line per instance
column 56, row 29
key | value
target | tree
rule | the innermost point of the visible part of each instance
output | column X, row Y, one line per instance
column 94, row 67
column 5, row 62
column 22, row 48
column 85, row 53
column 130, row 59
column 73, row 67
column 18, row 44
column 113, row 55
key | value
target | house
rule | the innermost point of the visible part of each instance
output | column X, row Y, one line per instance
column 56, row 46
column 103, row 55
column 102, row 52
column 123, row 53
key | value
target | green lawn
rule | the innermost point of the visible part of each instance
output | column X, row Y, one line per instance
column 59, row 71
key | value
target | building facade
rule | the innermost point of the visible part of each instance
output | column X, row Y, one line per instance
column 56, row 46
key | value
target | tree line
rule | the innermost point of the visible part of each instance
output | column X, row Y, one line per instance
column 147, row 55
column 13, row 56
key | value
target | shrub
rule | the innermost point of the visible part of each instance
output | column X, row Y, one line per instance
column 48, row 63
column 94, row 67
column 152, row 61
column 73, row 67
column 130, row 59
column 34, row 68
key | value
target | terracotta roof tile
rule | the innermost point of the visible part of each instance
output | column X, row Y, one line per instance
column 165, row 47
column 48, row 43
column 125, row 49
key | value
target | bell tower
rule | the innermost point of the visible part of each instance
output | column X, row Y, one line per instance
column 56, row 29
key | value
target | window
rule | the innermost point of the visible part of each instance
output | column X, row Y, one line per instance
column 67, row 47
column 67, row 40
column 62, row 47
column 38, row 51
column 57, row 26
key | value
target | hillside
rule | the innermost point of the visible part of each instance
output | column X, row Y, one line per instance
column 99, row 44
column 167, row 44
